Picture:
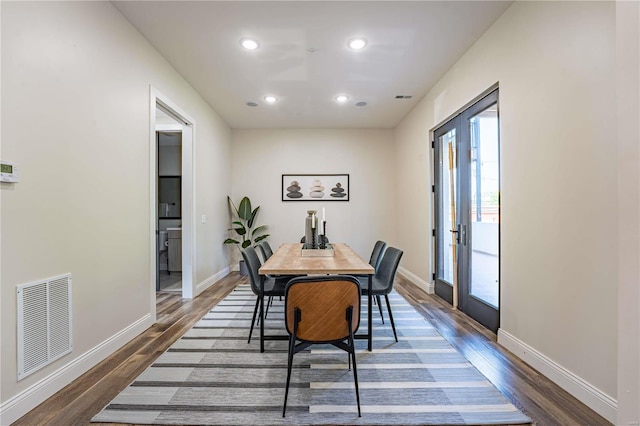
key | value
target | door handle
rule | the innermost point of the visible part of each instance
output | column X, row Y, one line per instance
column 457, row 232
column 463, row 235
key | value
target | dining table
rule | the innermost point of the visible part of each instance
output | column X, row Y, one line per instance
column 289, row 259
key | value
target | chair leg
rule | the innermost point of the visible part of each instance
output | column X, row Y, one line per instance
column 352, row 353
column 380, row 307
column 355, row 378
column 269, row 303
column 253, row 320
column 393, row 326
column 292, row 347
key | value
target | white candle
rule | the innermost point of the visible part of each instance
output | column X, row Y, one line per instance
column 324, row 217
column 313, row 221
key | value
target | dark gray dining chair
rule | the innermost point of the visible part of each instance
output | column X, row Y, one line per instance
column 374, row 260
column 383, row 279
column 265, row 250
column 273, row 286
column 322, row 309
column 376, row 254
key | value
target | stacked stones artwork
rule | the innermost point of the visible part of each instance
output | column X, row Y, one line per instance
column 338, row 191
column 317, row 190
column 308, row 187
column 293, row 191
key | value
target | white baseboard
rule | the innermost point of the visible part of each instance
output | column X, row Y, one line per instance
column 426, row 286
column 593, row 397
column 211, row 280
column 22, row 403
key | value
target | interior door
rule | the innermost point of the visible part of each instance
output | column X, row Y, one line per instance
column 446, row 192
column 467, row 219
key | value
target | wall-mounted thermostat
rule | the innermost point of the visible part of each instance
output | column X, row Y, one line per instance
column 8, row 172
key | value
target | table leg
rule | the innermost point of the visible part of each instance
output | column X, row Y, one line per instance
column 261, row 296
column 370, row 297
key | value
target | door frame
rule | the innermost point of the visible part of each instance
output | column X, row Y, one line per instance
column 156, row 98
column 443, row 290
column 463, row 272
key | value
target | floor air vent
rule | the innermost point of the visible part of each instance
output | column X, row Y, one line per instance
column 44, row 323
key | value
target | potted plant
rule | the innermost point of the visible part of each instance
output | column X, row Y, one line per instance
column 243, row 225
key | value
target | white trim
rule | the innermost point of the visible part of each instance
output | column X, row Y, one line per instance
column 212, row 280
column 429, row 287
column 153, row 170
column 189, row 288
column 188, row 213
column 16, row 407
column 593, row 397
column 168, row 128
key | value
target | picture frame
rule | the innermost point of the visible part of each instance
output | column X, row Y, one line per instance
column 315, row 187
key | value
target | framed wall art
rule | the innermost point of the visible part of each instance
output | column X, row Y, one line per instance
column 318, row 187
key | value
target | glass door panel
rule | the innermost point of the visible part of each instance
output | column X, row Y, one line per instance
column 448, row 189
column 485, row 186
column 467, row 220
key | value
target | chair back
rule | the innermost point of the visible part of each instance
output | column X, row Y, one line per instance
column 265, row 249
column 253, row 265
column 323, row 302
column 386, row 271
column 376, row 254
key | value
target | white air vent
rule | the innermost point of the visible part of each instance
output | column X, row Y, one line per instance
column 44, row 323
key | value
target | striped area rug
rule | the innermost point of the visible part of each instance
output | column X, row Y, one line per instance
column 211, row 376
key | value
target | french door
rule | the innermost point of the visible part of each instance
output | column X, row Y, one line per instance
column 467, row 215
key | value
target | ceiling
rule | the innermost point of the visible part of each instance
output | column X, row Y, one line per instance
column 303, row 58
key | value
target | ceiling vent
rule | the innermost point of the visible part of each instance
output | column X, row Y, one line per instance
column 404, row 96
column 44, row 323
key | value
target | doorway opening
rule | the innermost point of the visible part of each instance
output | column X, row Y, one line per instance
column 467, row 210
column 169, row 207
column 167, row 121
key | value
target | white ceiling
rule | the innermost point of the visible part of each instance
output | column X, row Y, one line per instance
column 303, row 58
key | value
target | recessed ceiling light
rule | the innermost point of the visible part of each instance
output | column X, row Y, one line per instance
column 361, row 104
column 357, row 43
column 249, row 43
column 252, row 104
column 341, row 99
column 270, row 99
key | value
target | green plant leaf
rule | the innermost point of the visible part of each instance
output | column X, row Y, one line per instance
column 244, row 211
column 246, row 244
column 253, row 217
column 260, row 238
column 240, row 228
column 231, row 241
column 235, row 209
column 258, row 230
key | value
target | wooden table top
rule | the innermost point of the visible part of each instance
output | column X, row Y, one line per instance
column 288, row 260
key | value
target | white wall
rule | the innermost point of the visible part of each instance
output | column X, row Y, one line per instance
column 260, row 157
column 628, row 110
column 75, row 104
column 554, row 62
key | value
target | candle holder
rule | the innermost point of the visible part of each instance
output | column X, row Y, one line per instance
column 323, row 237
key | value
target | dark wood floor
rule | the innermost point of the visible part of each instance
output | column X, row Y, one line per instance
column 535, row 395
